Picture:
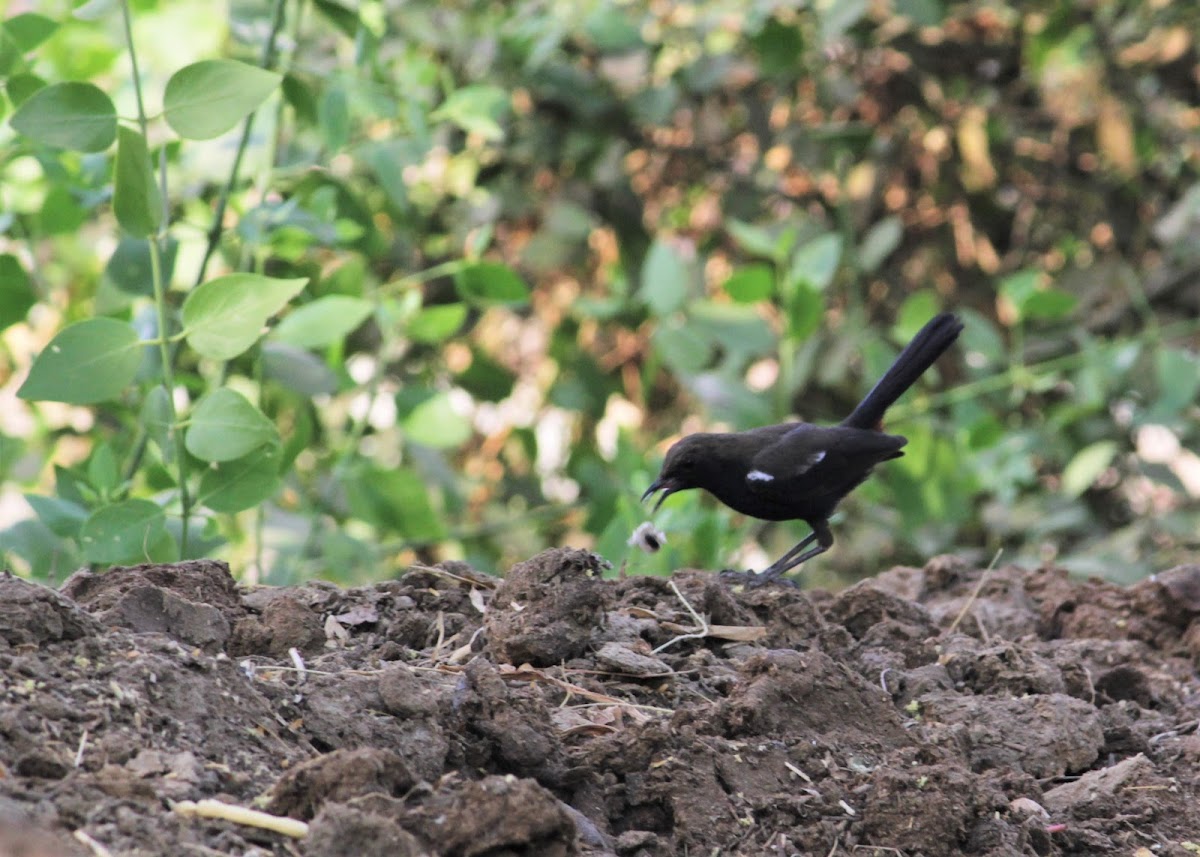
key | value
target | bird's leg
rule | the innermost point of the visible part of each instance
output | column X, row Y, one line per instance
column 752, row 578
column 794, row 557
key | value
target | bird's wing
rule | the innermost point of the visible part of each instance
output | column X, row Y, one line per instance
column 808, row 450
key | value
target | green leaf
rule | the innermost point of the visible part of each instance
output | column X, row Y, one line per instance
column 1018, row 287
column 341, row 17
column 28, row 30
column 232, row 486
column 325, row 321
column 156, row 420
column 103, row 474
column 436, row 324
column 20, row 86
column 1049, row 304
column 476, row 109
column 136, row 200
column 666, row 278
column 923, row 13
column 611, row 30
column 1177, row 373
column 124, row 532
column 301, row 97
column 333, row 117
column 778, row 47
column 491, row 283
column 297, row 369
column 755, row 240
column 751, row 284
column 129, row 267
column 62, row 517
column 225, row 425
column 394, row 500
column 805, row 310
column 224, row 317
column 681, row 349
column 94, row 10
column 90, row 361
column 817, row 261
column 208, row 98
column 1086, row 466
column 16, row 292
column 917, row 309
column 838, row 16
column 435, row 423
column 881, row 241
column 76, row 116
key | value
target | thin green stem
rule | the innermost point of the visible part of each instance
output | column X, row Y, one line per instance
column 217, row 228
column 402, row 284
column 160, row 305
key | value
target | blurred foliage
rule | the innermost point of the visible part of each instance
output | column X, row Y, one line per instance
column 515, row 248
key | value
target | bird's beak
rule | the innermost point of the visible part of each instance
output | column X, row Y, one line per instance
column 666, row 486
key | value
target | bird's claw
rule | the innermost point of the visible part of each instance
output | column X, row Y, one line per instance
column 755, row 579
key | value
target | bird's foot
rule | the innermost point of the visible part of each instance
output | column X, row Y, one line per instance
column 755, row 579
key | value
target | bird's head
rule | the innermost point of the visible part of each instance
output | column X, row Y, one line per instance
column 682, row 468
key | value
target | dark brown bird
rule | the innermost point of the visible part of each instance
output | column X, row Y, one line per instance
column 797, row 471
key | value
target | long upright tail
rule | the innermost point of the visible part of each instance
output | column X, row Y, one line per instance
column 927, row 346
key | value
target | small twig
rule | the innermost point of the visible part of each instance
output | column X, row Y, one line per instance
column 1172, row 733
column 99, row 850
column 702, row 628
column 798, row 772
column 975, row 593
column 209, row 808
column 83, row 739
column 481, row 583
column 298, row 661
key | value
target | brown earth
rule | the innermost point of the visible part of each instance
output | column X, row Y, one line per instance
column 933, row 711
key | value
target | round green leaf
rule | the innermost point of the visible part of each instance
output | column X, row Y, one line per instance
column 751, row 284
column 681, row 348
column 477, row 109
column 29, row 29
column 75, row 116
column 63, row 517
column 817, row 261
column 435, row 423
column 90, row 361
column 879, row 243
column 20, row 86
column 156, row 419
column 491, row 282
column 225, row 316
column 225, row 425
column 16, row 292
column 323, row 322
column 231, row 486
column 123, row 532
column 436, row 323
column 665, row 279
column 297, row 369
column 136, row 200
column 1086, row 466
column 207, row 98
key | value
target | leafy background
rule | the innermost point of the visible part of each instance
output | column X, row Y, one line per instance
column 506, row 252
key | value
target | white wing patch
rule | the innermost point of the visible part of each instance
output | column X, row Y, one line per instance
column 759, row 476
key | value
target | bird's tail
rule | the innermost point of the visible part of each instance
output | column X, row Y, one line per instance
column 927, row 346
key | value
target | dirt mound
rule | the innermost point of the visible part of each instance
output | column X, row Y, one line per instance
column 933, row 711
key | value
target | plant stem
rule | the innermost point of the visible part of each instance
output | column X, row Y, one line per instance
column 160, row 305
